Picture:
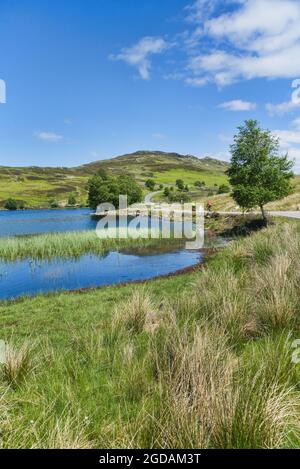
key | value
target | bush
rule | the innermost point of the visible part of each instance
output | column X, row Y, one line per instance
column 224, row 189
column 150, row 184
column 180, row 184
column 72, row 200
column 179, row 197
column 11, row 204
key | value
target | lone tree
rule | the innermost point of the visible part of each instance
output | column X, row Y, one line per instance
column 258, row 174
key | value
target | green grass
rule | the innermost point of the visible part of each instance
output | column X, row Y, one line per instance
column 190, row 176
column 74, row 245
column 36, row 187
column 198, row 360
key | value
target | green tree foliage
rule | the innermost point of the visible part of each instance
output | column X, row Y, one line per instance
column 72, row 200
column 179, row 197
column 180, row 184
column 258, row 174
column 103, row 174
column 11, row 204
column 108, row 189
column 224, row 189
column 166, row 192
column 150, row 184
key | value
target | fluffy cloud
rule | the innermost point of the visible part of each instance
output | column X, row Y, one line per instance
column 138, row 55
column 290, row 142
column 260, row 38
column 227, row 41
column 237, row 105
column 48, row 136
column 287, row 106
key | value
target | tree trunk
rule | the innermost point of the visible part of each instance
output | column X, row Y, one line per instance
column 264, row 216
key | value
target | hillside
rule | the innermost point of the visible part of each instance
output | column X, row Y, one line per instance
column 38, row 186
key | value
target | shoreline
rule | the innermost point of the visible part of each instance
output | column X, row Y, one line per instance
column 82, row 291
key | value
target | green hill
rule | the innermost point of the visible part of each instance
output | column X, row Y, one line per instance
column 37, row 186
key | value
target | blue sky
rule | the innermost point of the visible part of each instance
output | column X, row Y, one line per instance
column 92, row 79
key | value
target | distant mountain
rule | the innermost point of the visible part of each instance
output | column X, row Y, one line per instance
column 154, row 161
column 37, row 186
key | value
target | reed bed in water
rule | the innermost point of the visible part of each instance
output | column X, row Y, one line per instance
column 74, row 244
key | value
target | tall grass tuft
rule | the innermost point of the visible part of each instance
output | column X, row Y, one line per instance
column 138, row 313
column 18, row 363
column 215, row 400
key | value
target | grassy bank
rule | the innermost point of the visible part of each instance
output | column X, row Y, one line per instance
column 74, row 245
column 198, row 360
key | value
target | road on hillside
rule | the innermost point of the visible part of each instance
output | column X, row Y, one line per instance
column 149, row 196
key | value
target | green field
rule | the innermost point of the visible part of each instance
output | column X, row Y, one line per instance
column 201, row 360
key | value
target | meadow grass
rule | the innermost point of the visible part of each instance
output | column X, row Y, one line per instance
column 74, row 245
column 197, row 360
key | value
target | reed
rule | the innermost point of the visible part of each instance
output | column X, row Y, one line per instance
column 74, row 245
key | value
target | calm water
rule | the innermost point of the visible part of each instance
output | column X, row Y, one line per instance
column 25, row 222
column 29, row 278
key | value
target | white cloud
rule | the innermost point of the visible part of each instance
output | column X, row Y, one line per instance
column 158, row 136
column 287, row 106
column 281, row 108
column 48, row 136
column 200, row 10
column 237, row 105
column 290, row 142
column 296, row 123
column 138, row 55
column 288, row 137
column 259, row 39
column 197, row 82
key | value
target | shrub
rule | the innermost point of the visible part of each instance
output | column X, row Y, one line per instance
column 224, row 189
column 150, row 184
column 11, row 204
column 72, row 200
